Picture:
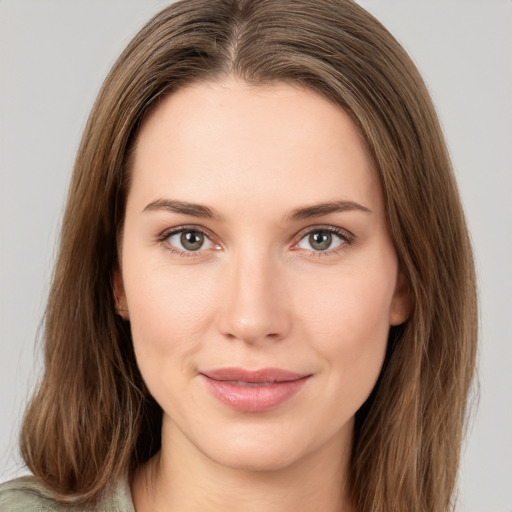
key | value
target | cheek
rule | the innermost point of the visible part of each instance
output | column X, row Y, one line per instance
column 347, row 319
column 168, row 312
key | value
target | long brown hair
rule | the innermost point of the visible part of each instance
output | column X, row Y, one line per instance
column 92, row 419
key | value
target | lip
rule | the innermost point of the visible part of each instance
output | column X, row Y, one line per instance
column 253, row 390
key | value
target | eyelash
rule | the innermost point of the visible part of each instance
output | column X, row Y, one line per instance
column 164, row 237
column 346, row 237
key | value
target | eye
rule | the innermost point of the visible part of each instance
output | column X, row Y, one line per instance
column 323, row 240
column 189, row 240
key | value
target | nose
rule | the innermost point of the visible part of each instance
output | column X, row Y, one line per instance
column 255, row 305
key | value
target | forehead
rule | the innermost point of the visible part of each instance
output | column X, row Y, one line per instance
column 276, row 143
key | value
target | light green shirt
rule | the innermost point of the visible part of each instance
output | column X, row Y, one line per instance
column 27, row 494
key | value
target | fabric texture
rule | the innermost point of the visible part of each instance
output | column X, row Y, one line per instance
column 28, row 494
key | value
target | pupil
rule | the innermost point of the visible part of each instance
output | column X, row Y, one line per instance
column 192, row 240
column 320, row 240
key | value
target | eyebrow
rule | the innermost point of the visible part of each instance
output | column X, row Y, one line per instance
column 205, row 212
column 183, row 207
column 318, row 210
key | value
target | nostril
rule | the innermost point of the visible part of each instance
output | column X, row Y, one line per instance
column 253, row 307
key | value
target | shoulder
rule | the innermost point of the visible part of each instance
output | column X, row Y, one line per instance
column 28, row 494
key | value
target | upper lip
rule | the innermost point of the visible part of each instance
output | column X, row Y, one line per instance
column 263, row 375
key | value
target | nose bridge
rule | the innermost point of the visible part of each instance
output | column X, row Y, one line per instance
column 254, row 304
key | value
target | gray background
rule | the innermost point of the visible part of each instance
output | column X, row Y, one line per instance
column 54, row 55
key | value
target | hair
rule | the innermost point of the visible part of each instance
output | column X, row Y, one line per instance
column 92, row 419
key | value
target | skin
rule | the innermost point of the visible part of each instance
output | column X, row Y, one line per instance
column 257, row 294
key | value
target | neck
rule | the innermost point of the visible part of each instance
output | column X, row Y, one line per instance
column 181, row 478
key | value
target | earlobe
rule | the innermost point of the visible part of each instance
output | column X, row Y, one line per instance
column 119, row 295
column 401, row 303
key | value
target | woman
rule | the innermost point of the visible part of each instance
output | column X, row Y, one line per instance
column 264, row 296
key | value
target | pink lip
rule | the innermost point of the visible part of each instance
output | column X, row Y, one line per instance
column 253, row 391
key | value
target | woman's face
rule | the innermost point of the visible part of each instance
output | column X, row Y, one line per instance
column 258, row 272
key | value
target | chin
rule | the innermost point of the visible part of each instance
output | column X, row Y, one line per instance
column 268, row 448
column 256, row 457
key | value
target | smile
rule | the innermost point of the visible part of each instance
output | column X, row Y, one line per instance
column 253, row 391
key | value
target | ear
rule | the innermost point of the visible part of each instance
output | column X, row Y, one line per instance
column 401, row 304
column 119, row 295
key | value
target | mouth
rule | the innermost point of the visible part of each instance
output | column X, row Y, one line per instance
column 253, row 391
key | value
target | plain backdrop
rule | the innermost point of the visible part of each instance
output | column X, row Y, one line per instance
column 54, row 55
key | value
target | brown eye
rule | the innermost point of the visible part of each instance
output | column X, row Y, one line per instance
column 189, row 240
column 192, row 240
column 319, row 240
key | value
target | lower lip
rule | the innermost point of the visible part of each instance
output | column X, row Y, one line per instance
column 254, row 397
